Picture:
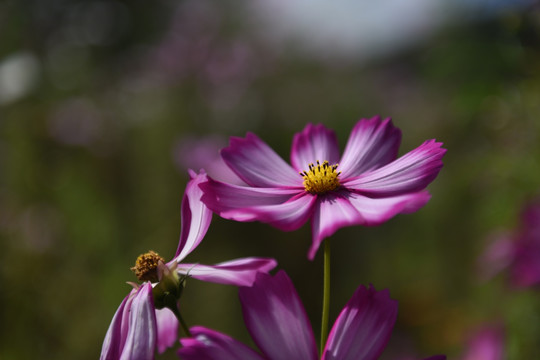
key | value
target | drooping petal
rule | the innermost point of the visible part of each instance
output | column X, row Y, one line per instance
column 331, row 213
column 141, row 336
column 276, row 319
column 372, row 144
column 314, row 143
column 257, row 164
column 239, row 272
column 363, row 327
column 410, row 173
column 196, row 217
column 237, row 202
column 346, row 209
column 167, row 329
column 115, row 337
column 208, row 344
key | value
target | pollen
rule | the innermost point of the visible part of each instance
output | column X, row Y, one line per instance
column 321, row 178
column 146, row 266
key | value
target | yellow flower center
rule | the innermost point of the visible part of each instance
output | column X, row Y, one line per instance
column 146, row 266
column 321, row 178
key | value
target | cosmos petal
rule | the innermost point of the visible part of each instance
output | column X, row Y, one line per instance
column 141, row 336
column 346, row 209
column 289, row 215
column 208, row 344
column 239, row 272
column 237, row 202
column 196, row 217
column 167, row 329
column 363, row 327
column 257, row 164
column 378, row 210
column 331, row 213
column 276, row 318
column 115, row 337
column 314, row 143
column 372, row 144
column 411, row 172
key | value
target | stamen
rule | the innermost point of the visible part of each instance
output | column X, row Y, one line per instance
column 321, row 178
column 146, row 266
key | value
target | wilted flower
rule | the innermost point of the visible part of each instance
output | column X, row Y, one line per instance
column 143, row 321
column 279, row 326
column 367, row 187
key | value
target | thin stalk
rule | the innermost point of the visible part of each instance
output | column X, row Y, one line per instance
column 326, row 295
column 183, row 324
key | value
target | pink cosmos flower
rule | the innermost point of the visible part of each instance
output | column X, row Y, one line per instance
column 278, row 324
column 138, row 327
column 369, row 186
column 518, row 251
column 486, row 344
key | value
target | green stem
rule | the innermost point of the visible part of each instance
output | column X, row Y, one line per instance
column 183, row 324
column 326, row 295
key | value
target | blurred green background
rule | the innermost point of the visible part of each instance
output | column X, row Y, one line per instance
column 103, row 103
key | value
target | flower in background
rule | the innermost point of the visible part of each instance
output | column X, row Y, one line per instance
column 486, row 344
column 518, row 251
column 143, row 321
column 195, row 47
column 278, row 324
column 368, row 187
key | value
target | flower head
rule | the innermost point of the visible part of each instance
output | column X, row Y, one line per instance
column 278, row 324
column 519, row 251
column 367, row 185
column 143, row 321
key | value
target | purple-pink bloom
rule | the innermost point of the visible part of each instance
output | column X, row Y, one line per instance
column 279, row 326
column 518, row 251
column 138, row 327
column 367, row 185
column 486, row 344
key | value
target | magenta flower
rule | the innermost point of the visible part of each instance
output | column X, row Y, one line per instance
column 139, row 326
column 369, row 186
column 486, row 344
column 278, row 324
column 518, row 251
